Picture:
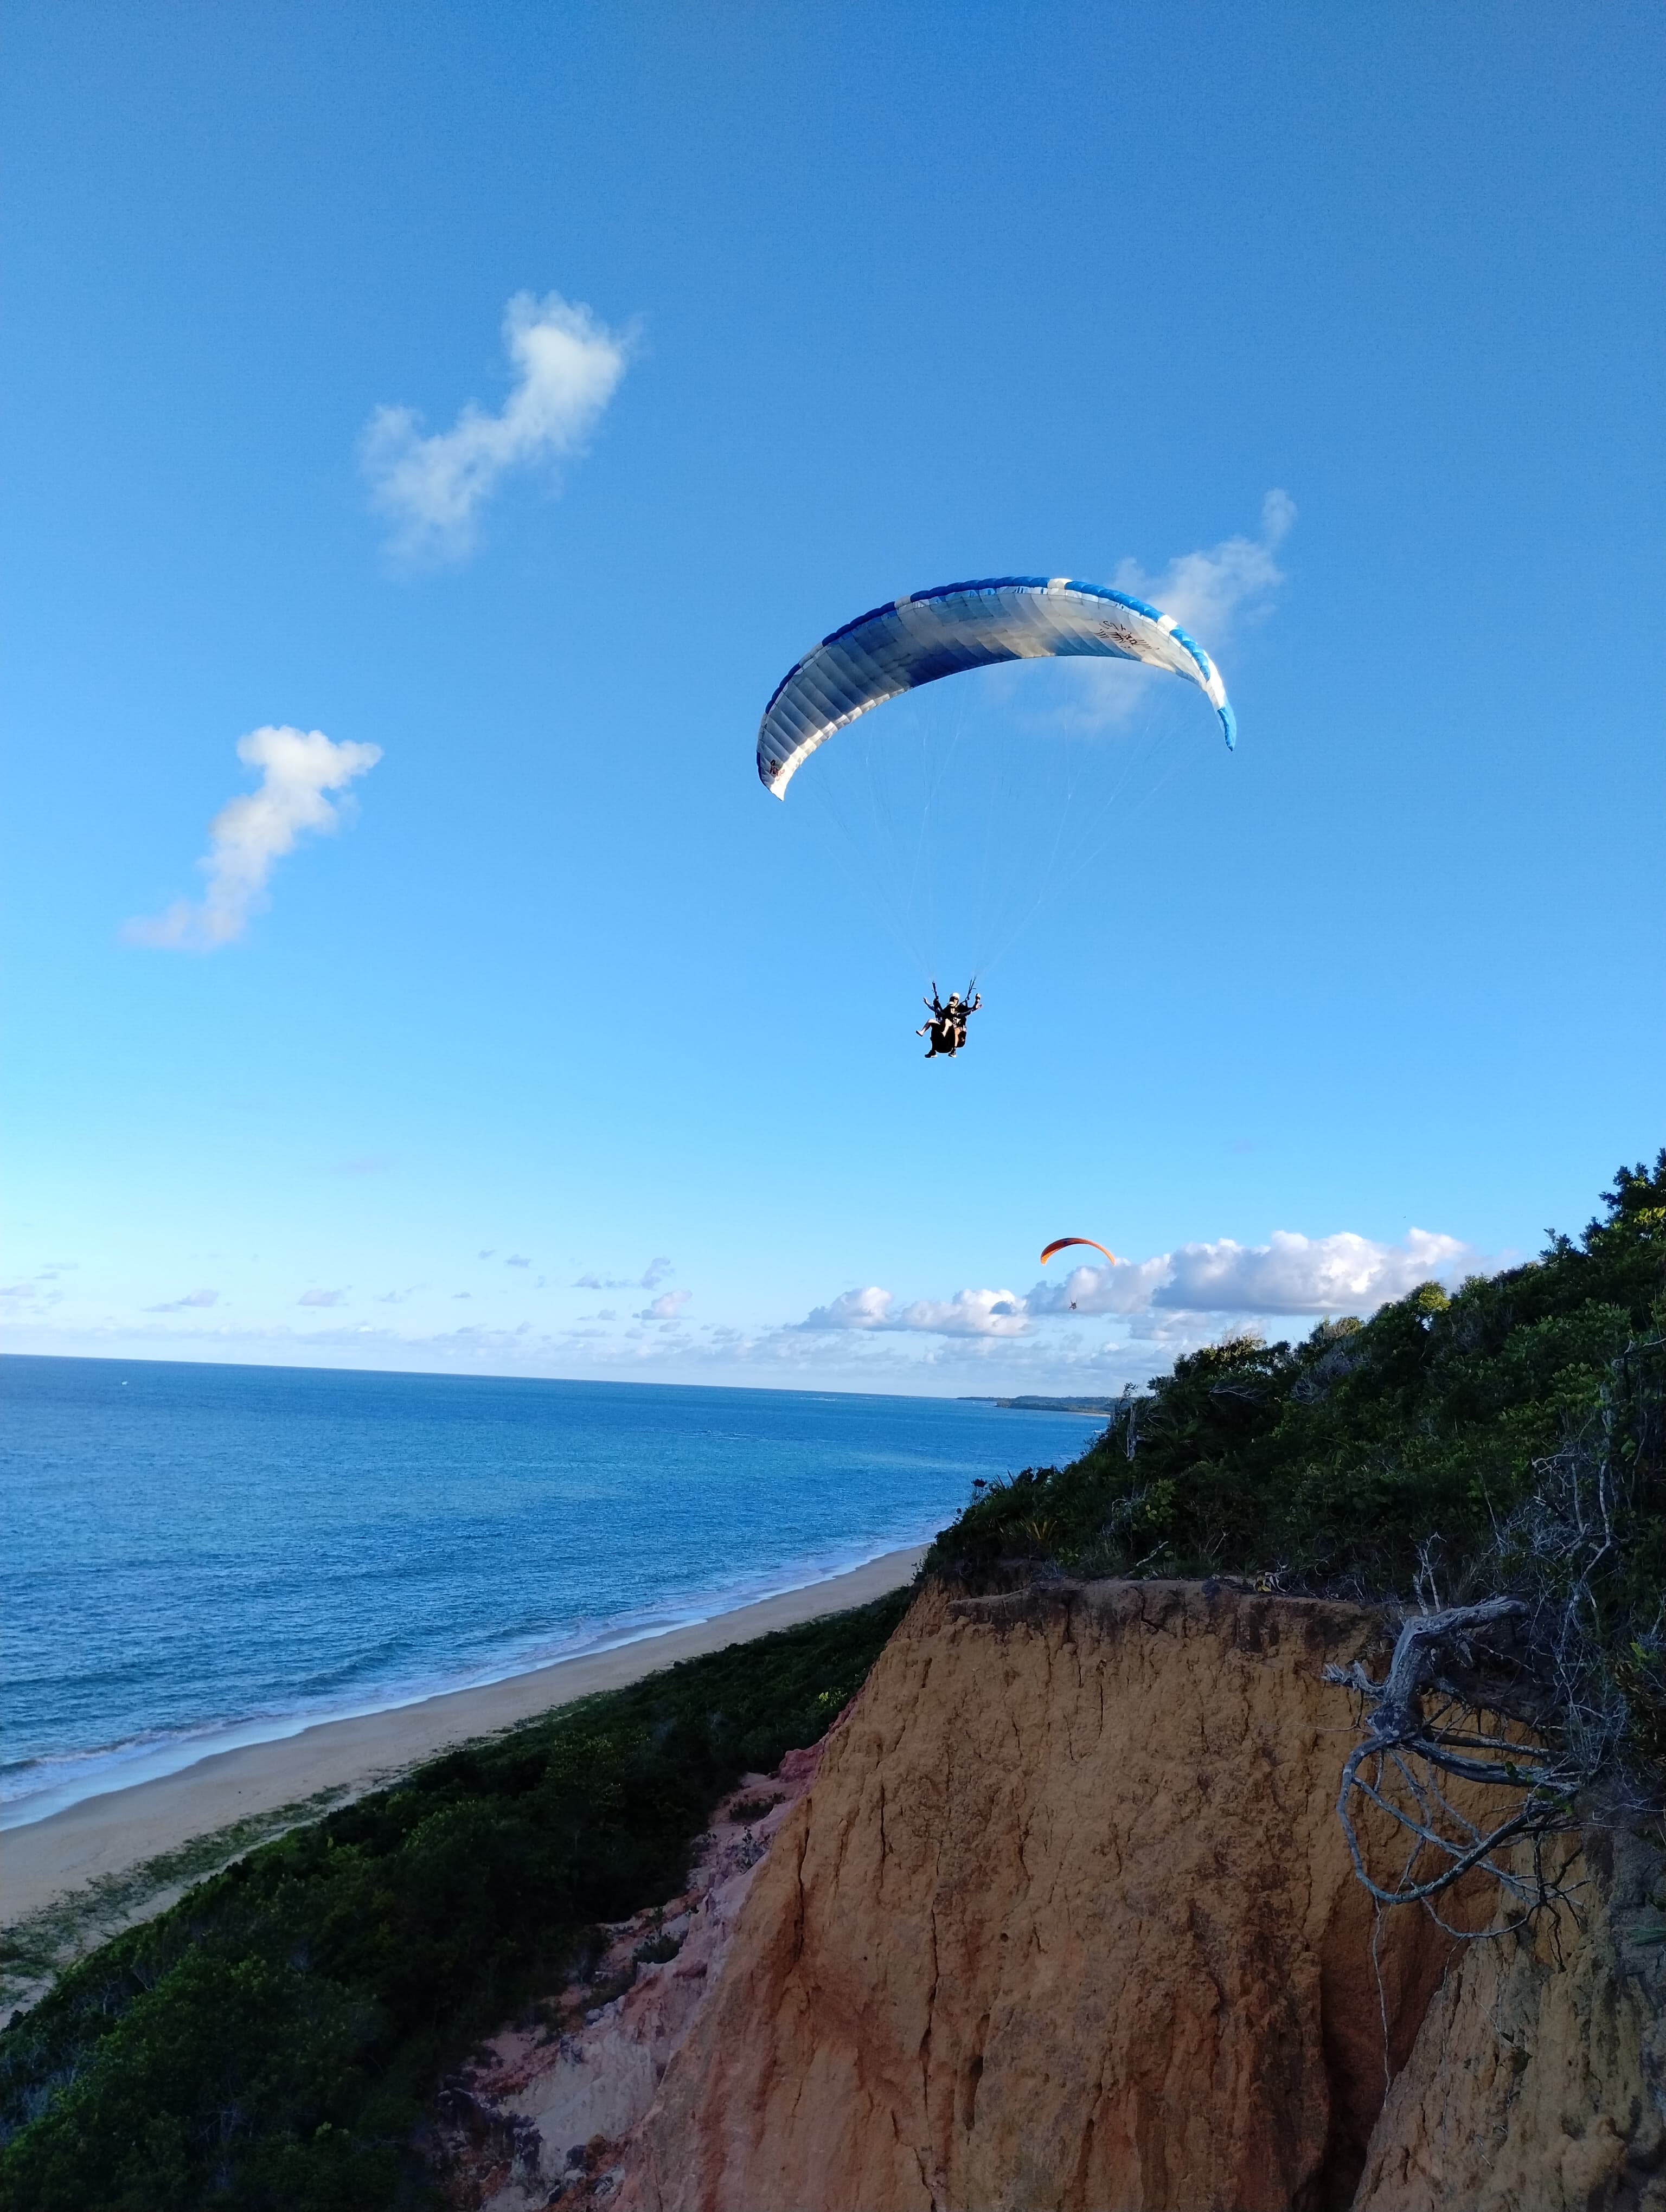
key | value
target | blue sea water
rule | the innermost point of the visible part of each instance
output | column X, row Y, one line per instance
column 198, row 1556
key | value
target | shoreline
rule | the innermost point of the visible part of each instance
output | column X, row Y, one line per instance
column 125, row 1767
column 103, row 1835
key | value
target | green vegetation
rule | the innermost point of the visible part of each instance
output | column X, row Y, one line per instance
column 269, row 2044
column 34, row 1952
column 1419, row 1442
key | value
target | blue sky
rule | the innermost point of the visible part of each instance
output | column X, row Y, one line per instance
column 832, row 304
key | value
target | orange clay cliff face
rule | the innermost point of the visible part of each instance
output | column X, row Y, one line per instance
column 1066, row 1920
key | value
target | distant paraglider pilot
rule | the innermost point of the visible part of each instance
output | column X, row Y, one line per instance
column 947, row 1027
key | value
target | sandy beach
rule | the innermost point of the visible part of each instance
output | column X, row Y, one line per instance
column 105, row 1835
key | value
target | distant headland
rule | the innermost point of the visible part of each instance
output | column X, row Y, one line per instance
column 1106, row 1406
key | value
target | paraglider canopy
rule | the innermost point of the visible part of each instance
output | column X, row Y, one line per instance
column 955, row 627
column 1059, row 1243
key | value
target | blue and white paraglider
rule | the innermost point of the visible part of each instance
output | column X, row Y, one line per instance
column 956, row 627
column 960, row 846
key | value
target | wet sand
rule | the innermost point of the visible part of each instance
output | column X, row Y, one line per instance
column 108, row 1834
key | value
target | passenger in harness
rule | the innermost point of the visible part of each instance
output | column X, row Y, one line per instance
column 947, row 1027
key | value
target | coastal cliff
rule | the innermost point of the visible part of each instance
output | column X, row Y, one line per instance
column 1067, row 1919
column 1538, row 2080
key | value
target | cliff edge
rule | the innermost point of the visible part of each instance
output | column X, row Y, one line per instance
column 1066, row 1920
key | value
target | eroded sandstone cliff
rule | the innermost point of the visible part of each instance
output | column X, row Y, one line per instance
column 1066, row 1920
column 1537, row 2082
column 552, row 2107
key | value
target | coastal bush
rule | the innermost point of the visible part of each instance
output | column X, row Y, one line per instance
column 269, row 2044
column 1374, row 1452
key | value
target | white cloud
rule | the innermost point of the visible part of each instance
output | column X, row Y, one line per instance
column 1297, row 1274
column 1127, row 1289
column 322, row 1298
column 1209, row 593
column 858, row 1309
column 667, row 1307
column 568, row 366
column 247, row 836
column 1290, row 1275
column 968, row 1313
column 190, row 1298
column 517, row 1260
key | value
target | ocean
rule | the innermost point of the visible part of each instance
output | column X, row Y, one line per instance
column 203, row 1556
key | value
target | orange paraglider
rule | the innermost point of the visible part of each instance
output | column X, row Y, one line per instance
column 1059, row 1244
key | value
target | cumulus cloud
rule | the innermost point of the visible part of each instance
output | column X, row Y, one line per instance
column 1297, row 1274
column 667, row 1307
column 1207, row 593
column 968, row 1313
column 1128, row 1288
column 190, row 1298
column 517, row 1260
column 567, row 367
column 322, row 1298
column 1290, row 1275
column 1210, row 593
column 867, row 1308
column 247, row 837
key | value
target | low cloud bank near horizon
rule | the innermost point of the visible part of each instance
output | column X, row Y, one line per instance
column 432, row 488
column 1095, row 1330
column 1291, row 1274
column 968, row 1313
column 251, row 834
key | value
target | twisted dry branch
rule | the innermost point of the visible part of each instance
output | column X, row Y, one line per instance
column 1448, row 1665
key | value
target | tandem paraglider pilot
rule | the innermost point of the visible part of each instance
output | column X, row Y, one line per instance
column 952, row 630
column 947, row 1027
